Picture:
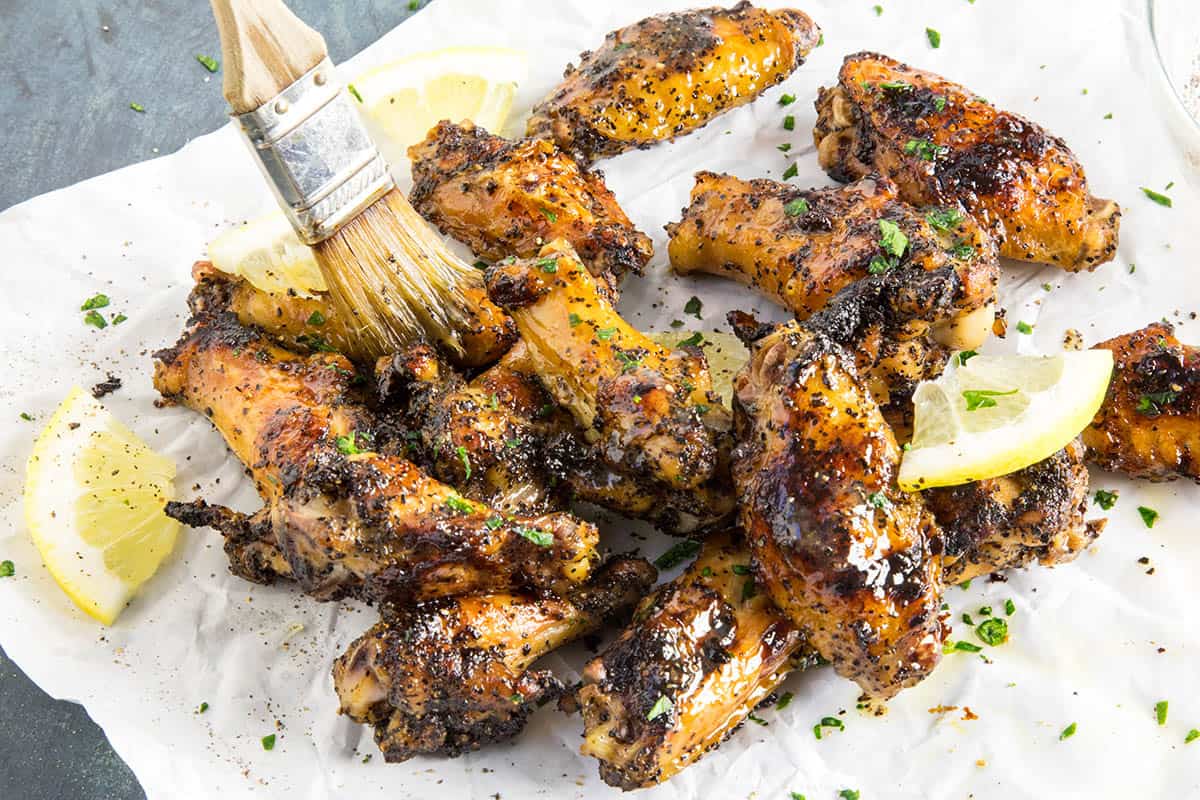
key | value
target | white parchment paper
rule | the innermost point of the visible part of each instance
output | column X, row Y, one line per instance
column 1097, row 643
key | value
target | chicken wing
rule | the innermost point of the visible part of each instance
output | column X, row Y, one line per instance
column 845, row 554
column 451, row 675
column 312, row 324
column 651, row 411
column 701, row 653
column 803, row 247
column 1149, row 424
column 670, row 74
column 505, row 198
column 944, row 145
column 341, row 519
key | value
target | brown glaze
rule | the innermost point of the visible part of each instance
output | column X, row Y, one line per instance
column 1149, row 424
column 670, row 74
column 505, row 198
column 944, row 145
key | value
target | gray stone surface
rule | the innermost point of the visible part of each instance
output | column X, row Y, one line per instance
column 68, row 71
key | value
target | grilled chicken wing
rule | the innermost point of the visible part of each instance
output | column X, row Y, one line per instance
column 313, row 324
column 701, row 653
column 1149, row 424
column 841, row 550
column 1002, row 523
column 943, row 145
column 451, row 675
column 803, row 247
column 505, row 198
column 670, row 74
column 344, row 520
column 651, row 411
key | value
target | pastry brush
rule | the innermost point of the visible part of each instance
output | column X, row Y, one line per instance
column 390, row 275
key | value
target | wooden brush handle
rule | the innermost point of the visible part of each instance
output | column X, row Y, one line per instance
column 266, row 49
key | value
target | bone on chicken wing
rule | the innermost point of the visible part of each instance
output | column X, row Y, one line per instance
column 450, row 675
column 802, row 247
column 340, row 519
column 701, row 653
column 650, row 410
column 313, row 324
column 670, row 74
column 1149, row 424
column 944, row 145
column 845, row 554
column 505, row 198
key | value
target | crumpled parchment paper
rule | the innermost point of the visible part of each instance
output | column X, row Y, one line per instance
column 1097, row 642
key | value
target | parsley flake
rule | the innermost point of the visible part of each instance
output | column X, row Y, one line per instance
column 456, row 503
column 662, row 706
column 208, row 62
column 935, row 38
column 943, row 219
column 787, row 99
column 1105, row 499
column 678, row 553
column 95, row 319
column 924, row 149
column 1149, row 516
column 550, row 215
column 1192, row 736
column 466, row 461
column 789, row 123
column 1157, row 197
column 573, row 319
column 982, row 398
column 604, row 334
column 891, row 239
column 138, row 107
column 1160, row 712
column 316, row 319
column 268, row 742
column 1067, row 732
column 7, row 568
column 95, row 301
column 548, row 265
column 784, row 701
column 691, row 341
column 965, row 356
column 539, row 537
column 992, row 631
column 693, row 306
column 354, row 92
column 796, row 207
column 791, row 172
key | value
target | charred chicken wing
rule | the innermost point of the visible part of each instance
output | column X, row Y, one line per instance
column 944, row 145
column 1149, row 424
column 846, row 555
column 451, row 675
column 670, row 74
column 505, row 198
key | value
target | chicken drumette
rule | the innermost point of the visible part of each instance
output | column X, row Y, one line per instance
column 944, row 145
column 670, row 74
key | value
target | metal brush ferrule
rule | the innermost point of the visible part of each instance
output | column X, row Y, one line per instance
column 316, row 153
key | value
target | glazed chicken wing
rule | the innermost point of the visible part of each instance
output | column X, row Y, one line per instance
column 944, row 145
column 651, row 411
column 701, row 653
column 1149, row 424
column 341, row 519
column 801, row 248
column 505, row 198
column 670, row 74
column 451, row 675
column 846, row 555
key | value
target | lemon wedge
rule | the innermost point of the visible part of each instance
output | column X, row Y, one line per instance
column 993, row 415
column 725, row 354
column 268, row 253
column 94, row 496
column 402, row 100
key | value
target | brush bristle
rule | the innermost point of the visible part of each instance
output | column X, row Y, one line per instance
column 393, row 279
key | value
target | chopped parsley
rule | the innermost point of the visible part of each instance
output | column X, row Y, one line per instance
column 1160, row 712
column 354, row 92
column 413, row 5
column 604, row 334
column 691, row 341
column 662, row 705
column 268, row 742
column 1010, row 607
column 784, row 701
column 1157, row 197
column 548, row 264
column 924, row 149
column 962, row 251
column 1105, row 499
column 787, row 99
column 516, row 699
column 849, row 794
column 347, row 445
column 891, row 239
column 456, row 503
column 992, row 631
column 573, row 319
column 749, row 590
column 465, row 459
column 935, row 38
column 539, row 537
column 1192, row 736
column 493, row 522
column 879, row 500
column 1024, row 327
column 880, row 265
column 707, row 572
column 208, row 62
column 693, row 307
column 783, row 148
column 939, row 103
column 796, row 207
column 1149, row 516
column 789, row 123
column 985, row 611
column 895, row 86
column 964, row 647
column 796, row 796
column 678, row 553
column 316, row 319
column 791, row 172
column 138, row 107
column 827, row 722
column 315, row 342
column 95, row 319
column 118, row 318
column 983, row 398
column 740, row 569
column 966, row 618
column 95, row 301
column 7, row 568
column 757, row 720
column 628, row 362
column 965, row 356
column 550, row 215
column 879, row 11
column 1151, row 404
column 203, row 707
column 1067, row 732
column 943, row 219
column 25, row 415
